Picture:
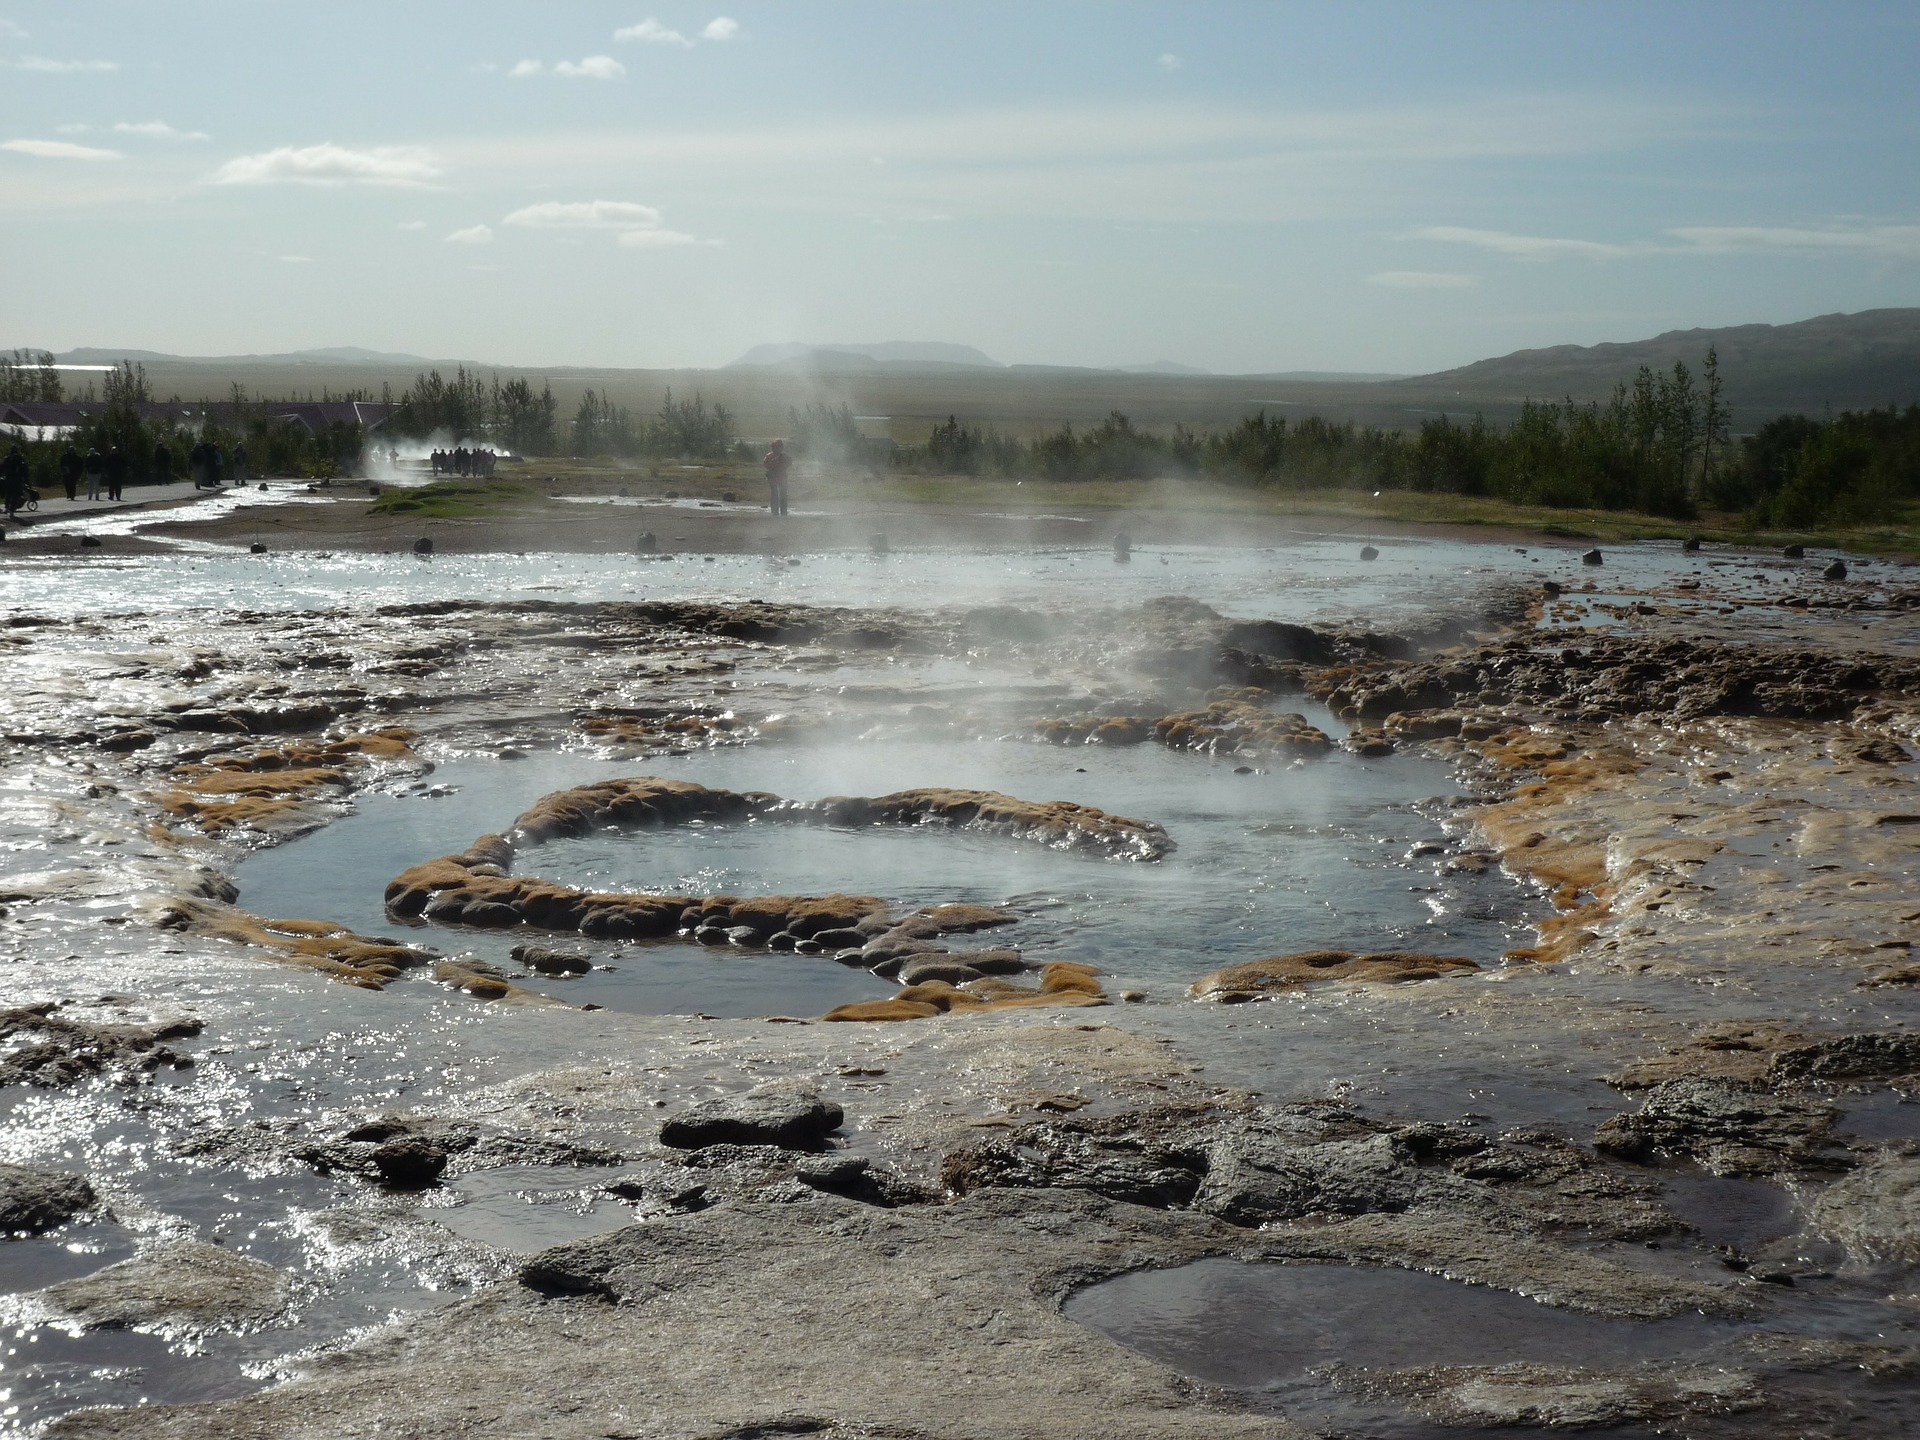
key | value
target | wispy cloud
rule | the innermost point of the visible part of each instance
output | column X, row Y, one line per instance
column 472, row 235
column 156, row 130
column 1423, row 280
column 636, row 225
column 411, row 225
column 331, row 164
column 720, row 29
column 594, row 67
column 525, row 68
column 11, row 31
column 41, row 65
column 1169, row 61
column 1891, row 242
column 59, row 150
column 1525, row 247
column 651, row 32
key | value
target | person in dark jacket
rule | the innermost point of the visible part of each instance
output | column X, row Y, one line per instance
column 116, row 472
column 216, row 462
column 162, row 465
column 197, row 463
column 70, row 468
column 13, row 479
column 96, row 467
column 240, row 463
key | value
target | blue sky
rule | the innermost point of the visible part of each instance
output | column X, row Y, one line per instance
column 1245, row 187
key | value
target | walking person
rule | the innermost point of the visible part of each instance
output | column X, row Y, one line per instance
column 13, row 479
column 96, row 467
column 162, row 464
column 777, row 462
column 197, row 464
column 116, row 470
column 239, row 462
column 70, row 468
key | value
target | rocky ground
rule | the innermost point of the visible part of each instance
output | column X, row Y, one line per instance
column 864, row 1230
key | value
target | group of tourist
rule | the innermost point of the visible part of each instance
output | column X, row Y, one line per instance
column 207, row 465
column 463, row 462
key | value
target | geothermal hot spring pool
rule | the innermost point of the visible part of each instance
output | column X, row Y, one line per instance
column 1271, row 856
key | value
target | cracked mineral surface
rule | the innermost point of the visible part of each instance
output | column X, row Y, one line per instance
column 419, row 978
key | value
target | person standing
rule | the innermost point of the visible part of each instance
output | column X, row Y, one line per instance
column 197, row 464
column 162, row 464
column 13, row 479
column 240, row 462
column 216, row 464
column 116, row 468
column 70, row 468
column 776, row 462
column 96, row 468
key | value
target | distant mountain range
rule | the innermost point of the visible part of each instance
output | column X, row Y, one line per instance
column 904, row 354
column 1845, row 361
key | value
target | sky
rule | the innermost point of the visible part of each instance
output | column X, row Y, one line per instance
column 1247, row 188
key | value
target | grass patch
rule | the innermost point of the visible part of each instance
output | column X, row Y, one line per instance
column 456, row 499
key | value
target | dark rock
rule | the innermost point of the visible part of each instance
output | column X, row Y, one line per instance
column 785, row 940
column 89, row 542
column 808, row 947
column 1728, row 1128
column 1691, row 544
column 948, row 968
column 1551, row 587
column 842, row 939
column 1794, row 552
column 1593, row 557
column 36, row 1200
column 648, row 542
column 256, row 548
column 710, row 935
column 58, row 1051
column 423, row 546
column 780, row 1113
column 1836, row 571
column 551, row 962
column 877, row 543
column 995, row 962
column 1367, row 552
column 746, row 935
column 408, row 1162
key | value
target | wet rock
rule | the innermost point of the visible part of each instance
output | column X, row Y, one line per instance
column 746, row 936
column 1836, row 571
column 943, row 967
column 423, row 546
column 1313, row 967
column 995, row 962
column 1556, row 1396
column 408, row 1162
column 551, row 962
column 840, row 939
column 780, row 1113
column 182, row 1286
column 877, row 543
column 1729, row 1129
column 1367, row 552
column 1109, row 1158
column 1592, row 557
column 1794, row 552
column 1691, row 544
column 35, row 1200
column 256, row 548
column 53, row 1050
column 1875, row 1211
column 403, row 1151
column 89, row 542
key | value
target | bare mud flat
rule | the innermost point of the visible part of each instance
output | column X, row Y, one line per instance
column 974, row 991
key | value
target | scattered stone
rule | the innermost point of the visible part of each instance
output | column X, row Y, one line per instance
column 185, row 1286
column 1592, row 557
column 1258, row 978
column 35, row 1200
column 1367, row 552
column 1794, row 552
column 423, row 546
column 89, row 542
column 551, row 962
column 257, row 548
column 55, row 1050
column 781, row 1113
column 1691, row 544
column 1556, row 1397
column 1728, row 1129
column 950, row 968
column 1875, row 1211
column 1836, row 571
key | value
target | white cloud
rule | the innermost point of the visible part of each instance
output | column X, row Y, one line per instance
column 411, row 225
column 586, row 215
column 331, row 164
column 11, row 31
column 1891, row 242
column 525, row 68
column 1169, row 61
column 472, row 235
column 651, row 32
column 1525, row 247
column 157, row 130
column 59, row 150
column 1422, row 280
column 41, row 65
column 720, row 29
column 594, row 67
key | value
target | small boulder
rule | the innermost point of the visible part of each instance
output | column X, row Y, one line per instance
column 373, row 489
column 1794, row 552
column 1367, row 552
column 1836, row 571
column 36, row 1200
column 257, row 548
column 877, row 543
column 1551, row 587
column 551, row 962
column 648, row 542
column 1122, row 547
column 408, row 1162
column 1691, row 544
column 89, row 542
column 949, row 968
column 783, row 1113
column 1593, row 557
column 182, row 1284
column 423, row 546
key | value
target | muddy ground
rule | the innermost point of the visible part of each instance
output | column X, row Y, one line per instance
column 869, row 1228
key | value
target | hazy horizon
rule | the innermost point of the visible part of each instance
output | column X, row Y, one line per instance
column 1243, row 188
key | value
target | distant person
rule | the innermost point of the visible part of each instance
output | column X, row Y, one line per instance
column 197, row 464
column 71, row 467
column 240, row 463
column 162, row 464
column 216, row 465
column 96, row 467
column 13, row 479
column 115, row 467
column 777, row 462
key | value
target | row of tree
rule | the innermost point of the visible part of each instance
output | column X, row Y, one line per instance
column 512, row 415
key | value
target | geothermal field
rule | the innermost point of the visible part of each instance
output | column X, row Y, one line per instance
column 635, row 968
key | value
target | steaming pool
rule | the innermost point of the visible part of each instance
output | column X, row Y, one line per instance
column 1331, row 851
